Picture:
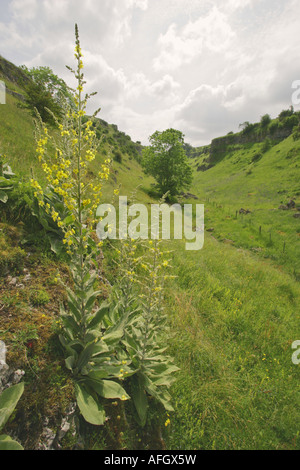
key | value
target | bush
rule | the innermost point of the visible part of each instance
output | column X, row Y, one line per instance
column 256, row 157
column 11, row 256
column 266, row 145
column 11, row 261
column 41, row 99
column 290, row 122
column 296, row 133
column 117, row 156
column 265, row 120
column 273, row 127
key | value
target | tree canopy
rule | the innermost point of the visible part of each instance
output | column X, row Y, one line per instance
column 166, row 161
column 45, row 91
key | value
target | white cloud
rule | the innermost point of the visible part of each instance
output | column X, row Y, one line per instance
column 142, row 4
column 211, row 32
column 24, row 10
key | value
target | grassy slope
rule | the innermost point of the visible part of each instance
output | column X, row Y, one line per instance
column 262, row 187
column 234, row 314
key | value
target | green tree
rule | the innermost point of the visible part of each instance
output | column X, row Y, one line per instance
column 46, row 78
column 166, row 161
column 45, row 91
column 265, row 121
column 41, row 99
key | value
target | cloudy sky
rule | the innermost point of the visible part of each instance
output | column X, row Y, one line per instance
column 200, row 66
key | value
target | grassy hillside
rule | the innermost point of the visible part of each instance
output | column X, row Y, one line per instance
column 233, row 307
column 262, row 183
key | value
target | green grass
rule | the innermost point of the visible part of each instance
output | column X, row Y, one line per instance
column 17, row 136
column 234, row 319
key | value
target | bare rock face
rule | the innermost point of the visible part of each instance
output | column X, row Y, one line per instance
column 8, row 377
column 50, row 439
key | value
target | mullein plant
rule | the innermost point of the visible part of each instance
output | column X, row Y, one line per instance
column 147, row 334
column 138, row 301
column 90, row 349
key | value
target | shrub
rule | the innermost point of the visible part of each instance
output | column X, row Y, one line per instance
column 11, row 261
column 265, row 120
column 256, row 157
column 273, row 127
column 117, row 156
column 290, row 122
column 267, row 144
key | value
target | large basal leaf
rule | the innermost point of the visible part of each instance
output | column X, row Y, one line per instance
column 140, row 400
column 92, row 411
column 6, row 443
column 109, row 390
column 8, row 402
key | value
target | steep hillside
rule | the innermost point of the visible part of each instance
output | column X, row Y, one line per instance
column 252, row 192
column 17, row 140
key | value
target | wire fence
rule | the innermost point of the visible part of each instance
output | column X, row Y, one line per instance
column 247, row 230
